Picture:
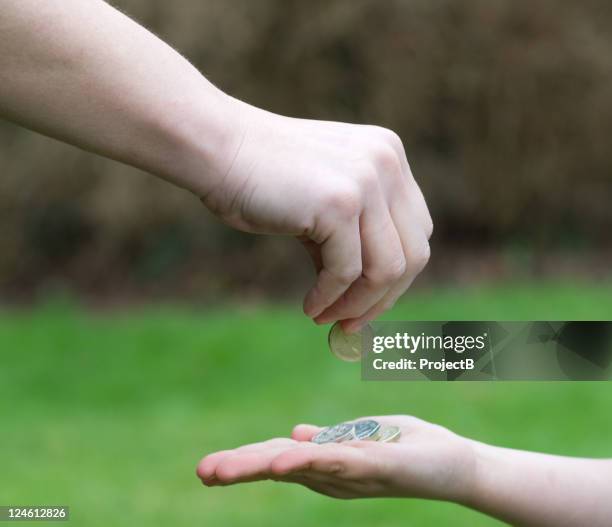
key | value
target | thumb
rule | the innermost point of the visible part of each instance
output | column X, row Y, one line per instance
column 305, row 432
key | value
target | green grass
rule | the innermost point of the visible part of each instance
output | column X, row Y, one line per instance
column 110, row 413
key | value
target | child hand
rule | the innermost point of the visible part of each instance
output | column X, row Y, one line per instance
column 428, row 461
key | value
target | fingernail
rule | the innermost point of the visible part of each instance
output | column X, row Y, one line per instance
column 313, row 311
column 323, row 320
column 311, row 306
column 352, row 327
column 308, row 310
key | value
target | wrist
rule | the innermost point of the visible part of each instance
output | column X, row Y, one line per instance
column 485, row 465
column 449, row 473
column 463, row 476
column 201, row 136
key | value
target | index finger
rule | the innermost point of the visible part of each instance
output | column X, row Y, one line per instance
column 341, row 260
column 305, row 432
column 333, row 458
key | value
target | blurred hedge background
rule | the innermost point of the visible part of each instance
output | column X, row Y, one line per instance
column 505, row 109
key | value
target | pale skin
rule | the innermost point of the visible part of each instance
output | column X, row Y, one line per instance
column 84, row 73
column 430, row 462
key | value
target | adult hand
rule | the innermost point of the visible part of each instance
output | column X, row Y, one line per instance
column 346, row 191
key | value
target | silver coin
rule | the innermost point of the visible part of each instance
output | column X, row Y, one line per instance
column 348, row 348
column 389, row 434
column 334, row 434
column 367, row 429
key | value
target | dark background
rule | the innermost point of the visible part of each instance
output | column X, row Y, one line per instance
column 505, row 109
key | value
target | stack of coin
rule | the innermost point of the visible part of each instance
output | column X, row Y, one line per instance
column 348, row 348
column 364, row 430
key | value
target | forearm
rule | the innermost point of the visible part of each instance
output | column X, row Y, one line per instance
column 531, row 489
column 82, row 72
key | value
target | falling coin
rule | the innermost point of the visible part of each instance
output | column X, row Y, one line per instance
column 389, row 434
column 348, row 348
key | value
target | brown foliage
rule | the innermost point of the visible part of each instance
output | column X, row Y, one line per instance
column 505, row 109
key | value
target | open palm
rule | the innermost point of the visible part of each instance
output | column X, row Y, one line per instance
column 428, row 461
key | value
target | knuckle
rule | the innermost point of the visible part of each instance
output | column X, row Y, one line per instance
column 387, row 134
column 393, row 138
column 389, row 273
column 397, row 270
column 387, row 159
column 367, row 178
column 276, row 467
column 429, row 228
column 348, row 275
column 345, row 202
column 420, row 257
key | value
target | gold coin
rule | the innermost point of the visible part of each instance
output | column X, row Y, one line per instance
column 347, row 347
column 389, row 434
